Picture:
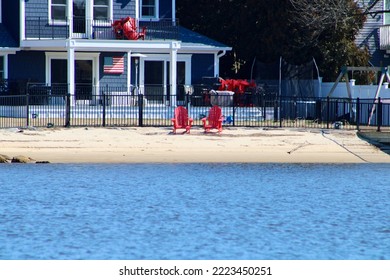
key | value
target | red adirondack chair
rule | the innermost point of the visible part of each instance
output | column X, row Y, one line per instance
column 214, row 120
column 181, row 120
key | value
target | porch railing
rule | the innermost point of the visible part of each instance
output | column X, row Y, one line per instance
column 39, row 28
column 43, row 105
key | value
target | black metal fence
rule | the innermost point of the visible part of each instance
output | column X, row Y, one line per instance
column 50, row 106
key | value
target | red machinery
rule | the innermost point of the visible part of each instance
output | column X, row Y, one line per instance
column 221, row 92
column 242, row 89
column 127, row 28
column 237, row 86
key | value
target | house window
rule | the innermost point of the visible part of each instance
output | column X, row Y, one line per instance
column 2, row 67
column 101, row 9
column 386, row 15
column 58, row 10
column 149, row 8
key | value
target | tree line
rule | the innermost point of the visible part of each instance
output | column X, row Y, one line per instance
column 265, row 30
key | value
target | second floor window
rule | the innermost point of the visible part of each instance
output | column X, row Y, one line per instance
column 1, row 67
column 58, row 10
column 149, row 8
column 96, row 9
column 101, row 9
column 386, row 15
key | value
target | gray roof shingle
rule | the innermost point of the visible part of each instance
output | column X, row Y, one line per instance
column 192, row 38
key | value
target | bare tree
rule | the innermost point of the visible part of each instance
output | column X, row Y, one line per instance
column 314, row 18
column 327, row 29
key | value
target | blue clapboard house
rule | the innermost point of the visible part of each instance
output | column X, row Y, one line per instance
column 86, row 47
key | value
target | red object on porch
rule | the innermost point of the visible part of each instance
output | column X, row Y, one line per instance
column 181, row 120
column 127, row 28
column 214, row 120
column 238, row 86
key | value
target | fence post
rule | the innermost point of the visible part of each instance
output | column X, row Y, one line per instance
column 263, row 104
column 67, row 110
column 358, row 114
column 379, row 115
column 104, row 109
column 187, row 99
column 280, row 111
column 234, row 113
column 27, row 109
column 276, row 117
column 188, row 103
column 140, row 107
column 327, row 111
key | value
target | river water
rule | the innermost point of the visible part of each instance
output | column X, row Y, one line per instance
column 195, row 211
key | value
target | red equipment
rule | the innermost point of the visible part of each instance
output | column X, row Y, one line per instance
column 239, row 87
column 127, row 28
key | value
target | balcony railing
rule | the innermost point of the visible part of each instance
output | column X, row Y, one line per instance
column 43, row 28
column 384, row 37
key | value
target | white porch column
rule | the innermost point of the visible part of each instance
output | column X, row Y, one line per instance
column 137, row 10
column 22, row 27
column 217, row 57
column 71, row 69
column 129, row 72
column 5, row 63
column 173, row 10
column 173, row 73
column 70, row 16
column 216, row 65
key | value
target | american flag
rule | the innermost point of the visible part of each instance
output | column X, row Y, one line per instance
column 114, row 65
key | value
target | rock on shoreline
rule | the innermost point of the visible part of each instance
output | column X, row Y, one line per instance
column 18, row 159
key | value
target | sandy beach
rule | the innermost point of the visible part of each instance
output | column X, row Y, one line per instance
column 150, row 144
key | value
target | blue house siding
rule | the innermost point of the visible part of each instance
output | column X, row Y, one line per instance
column 19, row 71
column 10, row 18
column 37, row 21
column 122, row 9
column 202, row 66
column 37, row 8
column 368, row 36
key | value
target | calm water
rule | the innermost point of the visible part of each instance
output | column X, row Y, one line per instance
column 195, row 211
